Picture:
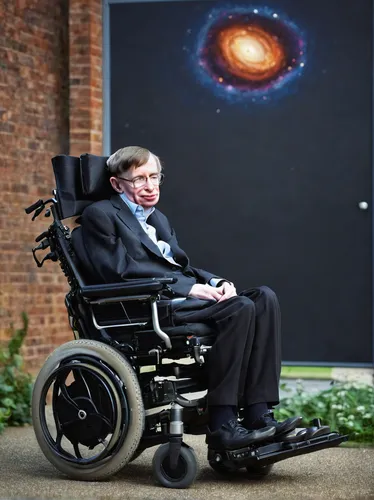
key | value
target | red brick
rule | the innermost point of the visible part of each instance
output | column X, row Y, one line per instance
column 34, row 126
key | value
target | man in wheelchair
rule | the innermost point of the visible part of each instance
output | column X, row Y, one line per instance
column 136, row 306
column 126, row 237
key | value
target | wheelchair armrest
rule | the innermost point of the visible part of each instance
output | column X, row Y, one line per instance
column 139, row 286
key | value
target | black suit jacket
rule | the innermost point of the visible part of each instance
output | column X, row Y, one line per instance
column 113, row 246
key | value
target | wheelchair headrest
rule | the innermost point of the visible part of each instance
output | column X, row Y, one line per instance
column 80, row 182
column 95, row 177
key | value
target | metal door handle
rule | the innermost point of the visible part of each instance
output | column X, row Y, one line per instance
column 363, row 205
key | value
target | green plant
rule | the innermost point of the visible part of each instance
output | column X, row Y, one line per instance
column 15, row 384
column 4, row 415
column 347, row 408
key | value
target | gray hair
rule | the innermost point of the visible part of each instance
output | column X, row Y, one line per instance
column 130, row 156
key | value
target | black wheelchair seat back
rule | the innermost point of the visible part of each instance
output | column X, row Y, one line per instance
column 131, row 379
column 80, row 182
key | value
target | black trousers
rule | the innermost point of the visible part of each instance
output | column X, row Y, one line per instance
column 245, row 360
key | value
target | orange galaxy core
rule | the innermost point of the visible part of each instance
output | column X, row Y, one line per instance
column 251, row 53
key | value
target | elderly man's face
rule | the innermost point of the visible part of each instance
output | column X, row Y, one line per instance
column 143, row 189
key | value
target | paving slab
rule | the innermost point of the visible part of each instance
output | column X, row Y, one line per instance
column 336, row 473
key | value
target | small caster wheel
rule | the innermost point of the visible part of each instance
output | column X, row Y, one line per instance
column 183, row 475
column 258, row 471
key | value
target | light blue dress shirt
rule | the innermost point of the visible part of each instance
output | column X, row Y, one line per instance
column 142, row 215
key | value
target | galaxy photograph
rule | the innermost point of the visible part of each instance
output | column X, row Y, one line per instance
column 248, row 52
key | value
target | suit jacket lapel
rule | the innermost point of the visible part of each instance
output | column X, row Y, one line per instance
column 162, row 231
column 128, row 218
column 164, row 234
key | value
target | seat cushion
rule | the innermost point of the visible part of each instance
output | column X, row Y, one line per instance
column 190, row 329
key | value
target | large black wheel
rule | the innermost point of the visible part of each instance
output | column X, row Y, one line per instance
column 87, row 410
column 180, row 477
column 258, row 471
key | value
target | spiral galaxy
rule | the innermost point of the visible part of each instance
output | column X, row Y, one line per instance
column 245, row 52
column 249, row 52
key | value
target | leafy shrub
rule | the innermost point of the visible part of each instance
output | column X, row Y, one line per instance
column 347, row 408
column 4, row 415
column 15, row 384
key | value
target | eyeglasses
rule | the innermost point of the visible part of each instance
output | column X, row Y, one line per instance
column 141, row 181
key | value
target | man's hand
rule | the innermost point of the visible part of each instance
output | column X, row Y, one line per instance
column 207, row 292
column 227, row 290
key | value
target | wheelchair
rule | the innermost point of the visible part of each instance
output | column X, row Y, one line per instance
column 130, row 379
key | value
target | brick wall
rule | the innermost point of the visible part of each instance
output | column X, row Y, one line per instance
column 35, row 98
column 85, row 67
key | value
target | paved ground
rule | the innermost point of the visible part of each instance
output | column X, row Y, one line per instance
column 309, row 386
column 338, row 473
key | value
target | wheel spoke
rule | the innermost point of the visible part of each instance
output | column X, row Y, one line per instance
column 55, row 394
column 59, row 447
column 66, row 396
column 104, row 419
column 76, row 450
column 78, row 375
column 59, row 437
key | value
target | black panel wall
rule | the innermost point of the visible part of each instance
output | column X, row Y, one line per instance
column 263, row 194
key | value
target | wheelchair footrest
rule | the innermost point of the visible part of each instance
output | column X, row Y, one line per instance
column 276, row 451
column 303, row 434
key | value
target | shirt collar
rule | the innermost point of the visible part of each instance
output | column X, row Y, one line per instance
column 137, row 209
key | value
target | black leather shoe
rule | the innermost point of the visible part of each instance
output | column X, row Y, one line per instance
column 280, row 427
column 233, row 435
